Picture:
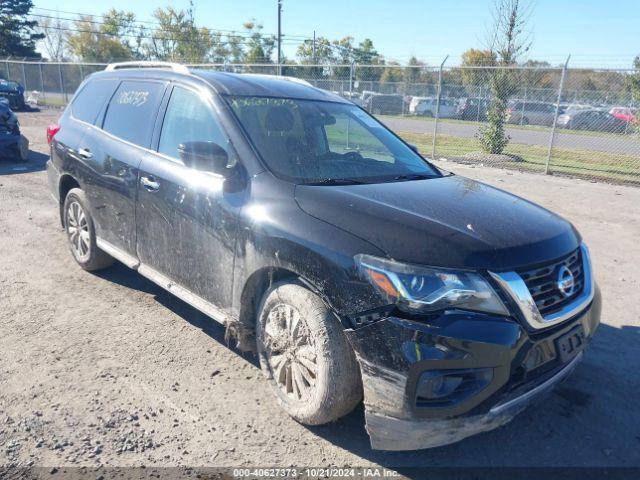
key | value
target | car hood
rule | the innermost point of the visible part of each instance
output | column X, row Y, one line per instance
column 450, row 221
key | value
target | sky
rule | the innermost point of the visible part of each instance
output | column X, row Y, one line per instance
column 597, row 33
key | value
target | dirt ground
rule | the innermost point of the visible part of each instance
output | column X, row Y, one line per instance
column 109, row 369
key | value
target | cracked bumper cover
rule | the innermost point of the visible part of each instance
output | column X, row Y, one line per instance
column 394, row 352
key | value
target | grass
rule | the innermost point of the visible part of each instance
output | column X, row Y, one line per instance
column 52, row 102
column 515, row 126
column 611, row 167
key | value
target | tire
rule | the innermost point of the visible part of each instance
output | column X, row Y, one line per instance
column 81, row 234
column 305, row 356
column 23, row 149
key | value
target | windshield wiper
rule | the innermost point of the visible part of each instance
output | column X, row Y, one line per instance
column 336, row 181
column 413, row 176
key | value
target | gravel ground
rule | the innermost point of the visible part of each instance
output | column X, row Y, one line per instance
column 108, row 369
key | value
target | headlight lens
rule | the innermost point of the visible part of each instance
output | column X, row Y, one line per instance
column 417, row 289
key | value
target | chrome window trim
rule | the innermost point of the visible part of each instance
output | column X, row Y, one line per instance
column 514, row 286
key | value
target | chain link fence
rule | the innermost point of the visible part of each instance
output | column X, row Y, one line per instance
column 578, row 122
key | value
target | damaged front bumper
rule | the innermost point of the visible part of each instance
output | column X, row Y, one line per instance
column 389, row 433
column 499, row 366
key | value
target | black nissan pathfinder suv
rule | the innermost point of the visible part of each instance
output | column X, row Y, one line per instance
column 324, row 242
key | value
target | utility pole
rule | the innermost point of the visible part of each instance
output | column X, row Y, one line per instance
column 279, row 36
column 555, row 116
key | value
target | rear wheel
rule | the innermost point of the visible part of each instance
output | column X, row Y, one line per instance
column 81, row 232
column 23, row 148
column 305, row 356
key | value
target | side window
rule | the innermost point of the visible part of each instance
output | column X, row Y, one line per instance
column 347, row 135
column 132, row 111
column 91, row 98
column 188, row 119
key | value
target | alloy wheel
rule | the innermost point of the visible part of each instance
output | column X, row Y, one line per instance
column 78, row 231
column 290, row 352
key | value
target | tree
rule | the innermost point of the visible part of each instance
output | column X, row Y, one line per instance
column 94, row 41
column 259, row 47
column 343, row 55
column 178, row 39
column 366, row 54
column 121, row 25
column 414, row 71
column 54, row 39
column 634, row 80
column 474, row 78
column 392, row 73
column 634, row 86
column 508, row 41
column 321, row 55
column 235, row 48
column 18, row 34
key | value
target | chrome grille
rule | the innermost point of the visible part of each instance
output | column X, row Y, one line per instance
column 542, row 283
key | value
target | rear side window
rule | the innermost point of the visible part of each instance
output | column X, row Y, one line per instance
column 91, row 98
column 132, row 111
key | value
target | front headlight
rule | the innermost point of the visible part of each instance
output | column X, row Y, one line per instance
column 417, row 289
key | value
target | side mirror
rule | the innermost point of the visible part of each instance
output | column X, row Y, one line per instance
column 205, row 156
column 413, row 147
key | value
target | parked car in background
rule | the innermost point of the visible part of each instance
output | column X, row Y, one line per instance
column 385, row 104
column 327, row 245
column 14, row 93
column 595, row 120
column 624, row 113
column 531, row 113
column 569, row 107
column 428, row 106
column 362, row 98
column 12, row 144
column 473, row 108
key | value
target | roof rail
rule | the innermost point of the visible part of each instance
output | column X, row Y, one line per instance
column 297, row 80
column 282, row 77
column 175, row 67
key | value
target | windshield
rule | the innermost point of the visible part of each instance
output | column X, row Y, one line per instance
column 7, row 85
column 308, row 141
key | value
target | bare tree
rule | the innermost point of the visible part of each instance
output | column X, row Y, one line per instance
column 508, row 41
column 508, row 37
column 55, row 38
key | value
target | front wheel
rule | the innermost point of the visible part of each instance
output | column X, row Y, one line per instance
column 305, row 356
column 81, row 233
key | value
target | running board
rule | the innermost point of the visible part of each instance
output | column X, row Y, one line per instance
column 117, row 253
column 161, row 280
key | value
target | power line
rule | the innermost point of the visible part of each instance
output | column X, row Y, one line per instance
column 247, row 35
column 243, row 41
column 148, row 22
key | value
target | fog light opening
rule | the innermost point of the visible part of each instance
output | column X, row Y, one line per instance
column 447, row 387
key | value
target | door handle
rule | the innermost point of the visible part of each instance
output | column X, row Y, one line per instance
column 150, row 184
column 85, row 153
